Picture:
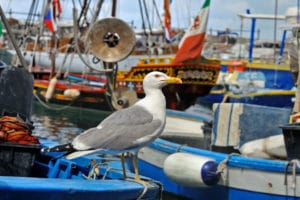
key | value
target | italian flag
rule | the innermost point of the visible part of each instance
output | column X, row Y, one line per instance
column 192, row 42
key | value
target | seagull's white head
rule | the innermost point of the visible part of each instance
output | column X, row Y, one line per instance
column 157, row 80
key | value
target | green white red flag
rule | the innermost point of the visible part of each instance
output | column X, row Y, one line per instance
column 192, row 42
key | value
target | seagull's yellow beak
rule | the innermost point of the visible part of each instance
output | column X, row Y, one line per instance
column 173, row 80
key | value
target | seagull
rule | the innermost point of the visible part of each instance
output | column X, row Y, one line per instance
column 127, row 130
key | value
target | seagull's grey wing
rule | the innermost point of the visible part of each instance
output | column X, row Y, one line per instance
column 121, row 130
column 132, row 115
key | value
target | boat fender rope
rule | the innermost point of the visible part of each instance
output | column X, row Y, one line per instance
column 223, row 164
column 179, row 147
column 294, row 164
column 96, row 166
column 143, row 192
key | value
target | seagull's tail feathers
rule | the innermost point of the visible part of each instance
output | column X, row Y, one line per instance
column 60, row 148
column 77, row 154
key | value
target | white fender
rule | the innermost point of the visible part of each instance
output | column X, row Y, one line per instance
column 50, row 89
column 191, row 170
column 71, row 93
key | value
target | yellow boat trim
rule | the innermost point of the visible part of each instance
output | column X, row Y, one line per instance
column 259, row 65
column 268, row 93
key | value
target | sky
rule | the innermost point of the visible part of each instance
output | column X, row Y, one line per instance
column 223, row 13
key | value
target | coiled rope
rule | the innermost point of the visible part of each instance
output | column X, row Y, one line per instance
column 13, row 129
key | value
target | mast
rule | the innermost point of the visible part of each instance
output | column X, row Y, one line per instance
column 5, row 22
column 114, row 7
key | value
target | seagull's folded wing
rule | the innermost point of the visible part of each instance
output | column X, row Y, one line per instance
column 124, row 129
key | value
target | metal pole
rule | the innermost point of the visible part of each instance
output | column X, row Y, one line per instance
column 275, row 30
column 4, row 20
column 251, row 41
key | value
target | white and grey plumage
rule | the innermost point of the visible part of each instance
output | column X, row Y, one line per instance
column 129, row 129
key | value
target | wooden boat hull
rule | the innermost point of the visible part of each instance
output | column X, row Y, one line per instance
column 198, row 78
column 90, row 97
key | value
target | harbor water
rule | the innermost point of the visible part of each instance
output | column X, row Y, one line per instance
column 62, row 123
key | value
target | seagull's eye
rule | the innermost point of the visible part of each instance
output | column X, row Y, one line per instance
column 157, row 75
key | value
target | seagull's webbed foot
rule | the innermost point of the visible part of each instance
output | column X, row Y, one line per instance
column 137, row 177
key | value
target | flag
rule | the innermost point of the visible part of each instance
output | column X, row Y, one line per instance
column 53, row 12
column 191, row 44
column 49, row 20
column 167, row 21
column 56, row 8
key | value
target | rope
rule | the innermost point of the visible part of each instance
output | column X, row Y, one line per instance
column 13, row 129
column 52, row 108
column 295, row 163
column 223, row 164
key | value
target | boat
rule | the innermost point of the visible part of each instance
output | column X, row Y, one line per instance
column 88, row 91
column 198, row 75
column 261, row 78
column 198, row 78
column 212, row 167
column 30, row 175
column 250, row 152
column 241, row 84
column 27, row 173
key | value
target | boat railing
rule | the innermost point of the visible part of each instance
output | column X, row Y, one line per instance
column 155, row 60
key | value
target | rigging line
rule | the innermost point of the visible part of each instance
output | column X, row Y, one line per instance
column 27, row 24
column 35, row 11
column 97, row 11
column 89, row 10
column 157, row 12
column 147, row 16
column 29, row 14
column 75, row 29
column 143, row 20
column 82, row 19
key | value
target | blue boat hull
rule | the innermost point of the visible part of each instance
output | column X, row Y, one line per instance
column 283, row 98
column 53, row 177
column 272, row 171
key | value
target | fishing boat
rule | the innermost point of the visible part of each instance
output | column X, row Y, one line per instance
column 251, row 153
column 198, row 74
column 88, row 91
column 258, row 86
column 27, row 173
column 198, row 78
column 214, row 165
column 261, row 78
column 30, row 175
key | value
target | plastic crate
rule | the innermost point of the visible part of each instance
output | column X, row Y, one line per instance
column 17, row 159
